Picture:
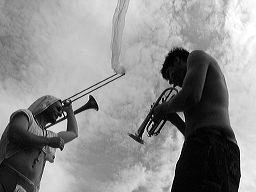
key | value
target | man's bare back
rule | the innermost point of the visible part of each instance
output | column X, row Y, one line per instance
column 212, row 110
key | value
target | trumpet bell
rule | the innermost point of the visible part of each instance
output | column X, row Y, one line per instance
column 91, row 104
column 136, row 138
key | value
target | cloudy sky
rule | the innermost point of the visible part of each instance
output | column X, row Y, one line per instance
column 61, row 47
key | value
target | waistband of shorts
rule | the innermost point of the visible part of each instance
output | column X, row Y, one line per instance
column 214, row 131
column 26, row 183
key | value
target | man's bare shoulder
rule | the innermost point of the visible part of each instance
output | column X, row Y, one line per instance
column 18, row 124
column 198, row 54
column 19, row 119
column 198, row 58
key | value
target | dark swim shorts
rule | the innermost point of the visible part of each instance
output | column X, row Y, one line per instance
column 208, row 163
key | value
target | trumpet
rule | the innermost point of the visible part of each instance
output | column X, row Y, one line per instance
column 91, row 104
column 153, row 128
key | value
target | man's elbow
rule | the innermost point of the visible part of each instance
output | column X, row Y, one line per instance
column 75, row 135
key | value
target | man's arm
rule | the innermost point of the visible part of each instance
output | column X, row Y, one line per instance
column 175, row 119
column 18, row 133
column 192, row 88
column 72, row 128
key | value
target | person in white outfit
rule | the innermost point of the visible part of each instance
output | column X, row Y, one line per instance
column 26, row 144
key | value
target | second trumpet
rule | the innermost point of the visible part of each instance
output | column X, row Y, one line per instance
column 148, row 124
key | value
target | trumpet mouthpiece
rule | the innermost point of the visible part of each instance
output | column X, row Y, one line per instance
column 136, row 138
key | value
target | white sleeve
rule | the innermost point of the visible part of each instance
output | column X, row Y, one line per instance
column 49, row 151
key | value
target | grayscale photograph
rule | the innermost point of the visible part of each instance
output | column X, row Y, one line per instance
column 127, row 96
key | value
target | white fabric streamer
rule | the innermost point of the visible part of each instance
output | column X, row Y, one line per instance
column 117, row 32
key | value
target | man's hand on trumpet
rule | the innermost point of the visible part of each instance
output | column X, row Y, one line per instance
column 67, row 106
column 159, row 113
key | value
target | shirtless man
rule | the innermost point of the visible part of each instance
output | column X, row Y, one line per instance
column 210, row 157
column 26, row 144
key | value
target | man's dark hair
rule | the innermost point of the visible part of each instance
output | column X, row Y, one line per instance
column 170, row 58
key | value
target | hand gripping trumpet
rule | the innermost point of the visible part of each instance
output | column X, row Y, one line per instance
column 151, row 127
